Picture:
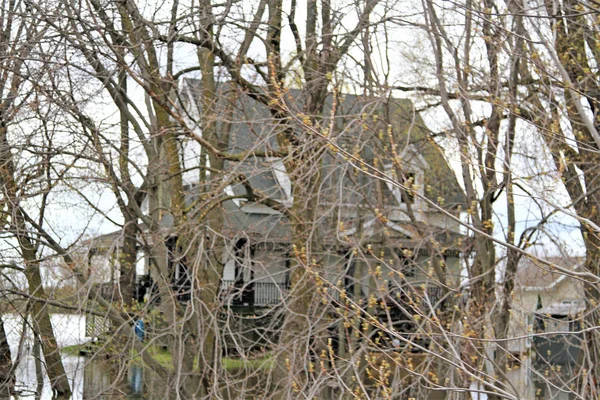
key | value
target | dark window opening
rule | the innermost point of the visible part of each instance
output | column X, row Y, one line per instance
column 408, row 265
column 352, row 283
column 179, row 275
column 244, row 272
column 409, row 182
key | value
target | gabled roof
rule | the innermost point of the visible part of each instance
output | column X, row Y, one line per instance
column 534, row 276
column 367, row 126
column 361, row 124
column 105, row 242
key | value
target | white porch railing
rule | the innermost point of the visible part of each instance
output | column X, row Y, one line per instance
column 254, row 293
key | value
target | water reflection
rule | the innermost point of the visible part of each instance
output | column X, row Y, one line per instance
column 69, row 330
column 136, row 377
column 89, row 378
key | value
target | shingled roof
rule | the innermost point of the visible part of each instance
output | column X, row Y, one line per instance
column 366, row 126
column 532, row 274
column 361, row 125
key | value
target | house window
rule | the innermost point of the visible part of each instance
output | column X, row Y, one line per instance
column 181, row 281
column 283, row 180
column 244, row 255
column 557, row 323
column 529, row 319
column 349, row 279
column 244, row 271
column 409, row 181
column 407, row 262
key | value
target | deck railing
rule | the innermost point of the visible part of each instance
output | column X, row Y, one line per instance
column 254, row 293
column 268, row 293
column 271, row 293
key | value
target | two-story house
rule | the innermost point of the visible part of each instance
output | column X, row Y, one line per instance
column 366, row 223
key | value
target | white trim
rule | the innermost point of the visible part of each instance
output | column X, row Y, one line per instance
column 283, row 178
column 229, row 192
column 400, row 229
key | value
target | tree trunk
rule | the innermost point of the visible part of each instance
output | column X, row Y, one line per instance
column 42, row 328
column 39, row 312
column 39, row 371
column 127, row 262
column 6, row 367
column 293, row 362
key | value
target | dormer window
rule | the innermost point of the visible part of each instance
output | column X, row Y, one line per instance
column 409, row 175
column 230, row 192
column 145, row 206
column 408, row 181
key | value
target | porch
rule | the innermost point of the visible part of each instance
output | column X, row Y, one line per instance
column 254, row 293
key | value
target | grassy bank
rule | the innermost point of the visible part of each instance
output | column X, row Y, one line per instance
column 165, row 358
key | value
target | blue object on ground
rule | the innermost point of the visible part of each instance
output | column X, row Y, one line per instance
column 140, row 330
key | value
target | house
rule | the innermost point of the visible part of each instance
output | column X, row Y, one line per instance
column 547, row 309
column 355, row 209
column 545, row 300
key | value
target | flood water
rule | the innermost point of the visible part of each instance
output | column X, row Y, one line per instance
column 94, row 379
column 87, row 379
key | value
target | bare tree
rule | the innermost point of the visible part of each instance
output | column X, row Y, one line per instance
column 245, row 150
column 24, row 179
column 561, row 87
column 508, row 73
